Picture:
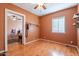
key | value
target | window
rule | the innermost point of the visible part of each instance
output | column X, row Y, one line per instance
column 58, row 24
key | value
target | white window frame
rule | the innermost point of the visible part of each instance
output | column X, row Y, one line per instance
column 57, row 30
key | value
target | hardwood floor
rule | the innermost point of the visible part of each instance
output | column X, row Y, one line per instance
column 41, row 48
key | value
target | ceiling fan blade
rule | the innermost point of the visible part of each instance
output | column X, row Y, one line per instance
column 44, row 7
column 36, row 7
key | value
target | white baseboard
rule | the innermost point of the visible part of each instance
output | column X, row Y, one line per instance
column 78, row 49
column 2, row 51
column 31, row 41
column 59, row 43
column 62, row 44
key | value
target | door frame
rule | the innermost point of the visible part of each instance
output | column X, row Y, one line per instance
column 23, row 26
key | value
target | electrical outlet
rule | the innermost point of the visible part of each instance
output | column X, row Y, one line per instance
column 71, row 42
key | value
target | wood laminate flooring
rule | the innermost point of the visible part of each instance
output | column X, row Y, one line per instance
column 40, row 48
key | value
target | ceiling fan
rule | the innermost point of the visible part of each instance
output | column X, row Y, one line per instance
column 40, row 6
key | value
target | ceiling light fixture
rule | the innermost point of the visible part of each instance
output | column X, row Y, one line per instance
column 14, row 18
column 40, row 6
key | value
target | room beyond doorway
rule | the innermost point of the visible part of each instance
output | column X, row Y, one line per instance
column 14, row 28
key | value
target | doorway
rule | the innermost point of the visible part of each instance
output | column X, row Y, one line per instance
column 14, row 28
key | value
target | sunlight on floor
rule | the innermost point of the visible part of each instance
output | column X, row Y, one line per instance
column 56, row 53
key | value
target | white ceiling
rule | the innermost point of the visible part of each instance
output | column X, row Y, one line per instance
column 51, row 7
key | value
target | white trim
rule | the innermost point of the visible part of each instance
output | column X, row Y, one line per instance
column 2, row 51
column 24, row 41
column 32, row 41
column 6, row 40
column 59, row 43
column 78, row 49
column 5, row 31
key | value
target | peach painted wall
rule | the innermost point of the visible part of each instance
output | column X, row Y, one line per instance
column 46, row 27
column 29, row 18
column 78, row 8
